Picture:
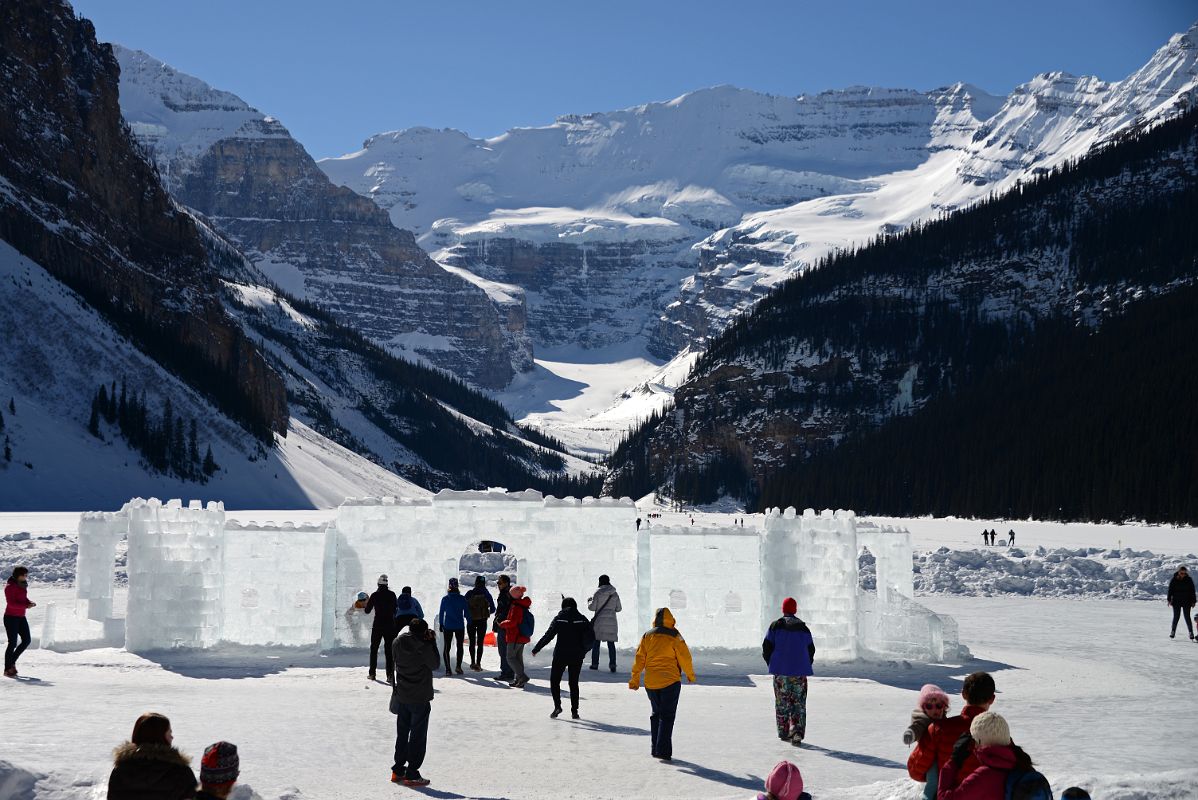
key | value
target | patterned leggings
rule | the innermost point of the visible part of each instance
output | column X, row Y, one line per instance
column 790, row 706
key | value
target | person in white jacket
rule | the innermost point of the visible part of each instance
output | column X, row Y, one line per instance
column 606, row 604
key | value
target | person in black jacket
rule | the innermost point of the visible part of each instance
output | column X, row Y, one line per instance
column 416, row 658
column 503, row 604
column 1181, row 597
column 382, row 603
column 574, row 639
column 148, row 767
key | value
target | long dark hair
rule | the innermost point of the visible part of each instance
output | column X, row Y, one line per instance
column 1023, row 762
column 19, row 572
column 150, row 728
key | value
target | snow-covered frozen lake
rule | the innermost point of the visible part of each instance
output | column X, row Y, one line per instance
column 1094, row 691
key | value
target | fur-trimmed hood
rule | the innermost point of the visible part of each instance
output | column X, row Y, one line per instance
column 150, row 772
column 149, row 752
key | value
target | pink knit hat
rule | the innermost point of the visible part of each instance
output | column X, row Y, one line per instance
column 931, row 691
column 785, row 782
column 517, row 592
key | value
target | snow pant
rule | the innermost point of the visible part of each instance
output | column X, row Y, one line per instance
column 515, row 660
column 385, row 636
column 411, row 738
column 574, row 667
column 505, row 668
column 790, row 706
column 477, row 631
column 1178, row 611
column 611, row 655
column 447, row 636
column 664, row 703
column 17, row 628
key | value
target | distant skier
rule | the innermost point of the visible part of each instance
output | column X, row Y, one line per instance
column 663, row 656
column 606, row 605
column 518, row 629
column 148, row 765
column 411, row 700
column 16, row 624
column 1011, row 538
column 574, row 637
column 407, row 608
column 452, row 619
column 1180, row 596
column 789, row 651
column 481, row 606
column 503, row 604
column 383, row 604
column 985, row 537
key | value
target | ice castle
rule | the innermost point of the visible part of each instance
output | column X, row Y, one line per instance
column 197, row 579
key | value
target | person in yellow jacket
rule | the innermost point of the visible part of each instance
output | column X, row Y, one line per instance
column 663, row 656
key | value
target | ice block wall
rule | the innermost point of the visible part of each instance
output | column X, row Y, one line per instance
column 175, row 579
column 99, row 534
column 273, row 584
column 893, row 552
column 710, row 579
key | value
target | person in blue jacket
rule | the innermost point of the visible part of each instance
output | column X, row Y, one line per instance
column 789, row 651
column 407, row 608
column 452, row 619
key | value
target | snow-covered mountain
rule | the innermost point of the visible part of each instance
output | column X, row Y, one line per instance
column 255, row 184
column 657, row 224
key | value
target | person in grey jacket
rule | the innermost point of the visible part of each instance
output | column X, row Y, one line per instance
column 606, row 604
column 411, row 700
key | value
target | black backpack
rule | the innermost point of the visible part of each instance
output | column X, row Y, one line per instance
column 1029, row 785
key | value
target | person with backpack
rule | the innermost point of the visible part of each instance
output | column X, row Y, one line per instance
column 407, row 608
column 1004, row 771
column 574, row 636
column 481, row 606
column 16, row 624
column 1181, row 597
column 936, row 745
column 606, row 604
column 149, row 766
column 411, row 700
column 789, row 650
column 382, row 603
column 452, row 619
column 663, row 656
column 503, row 605
column 518, row 629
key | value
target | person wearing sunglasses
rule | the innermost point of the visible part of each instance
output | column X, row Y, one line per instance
column 933, row 706
column 1181, row 598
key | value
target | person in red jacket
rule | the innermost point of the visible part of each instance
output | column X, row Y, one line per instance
column 515, row 638
column 936, row 746
column 16, row 626
column 997, row 757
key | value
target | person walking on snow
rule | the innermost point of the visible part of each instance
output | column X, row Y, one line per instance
column 503, row 604
column 411, row 700
column 481, row 606
column 517, row 629
column 16, row 624
column 789, row 650
column 407, row 608
column 1180, row 596
column 1011, row 538
column 663, row 656
column 219, row 769
column 382, row 603
column 606, row 604
column 574, row 636
column 148, row 766
column 452, row 619
column 937, row 744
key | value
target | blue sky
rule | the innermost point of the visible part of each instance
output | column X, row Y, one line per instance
column 335, row 73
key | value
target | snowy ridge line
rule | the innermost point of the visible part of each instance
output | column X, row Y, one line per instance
column 1061, row 572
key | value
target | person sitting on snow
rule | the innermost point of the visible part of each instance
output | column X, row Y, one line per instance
column 219, row 769
column 785, row 782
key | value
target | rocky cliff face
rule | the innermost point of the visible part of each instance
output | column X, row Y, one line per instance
column 78, row 198
column 318, row 241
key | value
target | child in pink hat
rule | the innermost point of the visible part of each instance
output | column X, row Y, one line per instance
column 932, row 706
column 785, row 782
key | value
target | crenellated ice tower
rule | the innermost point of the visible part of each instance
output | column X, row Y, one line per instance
column 199, row 580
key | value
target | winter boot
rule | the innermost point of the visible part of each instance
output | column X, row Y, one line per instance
column 574, row 714
column 555, row 713
column 370, row 675
column 415, row 779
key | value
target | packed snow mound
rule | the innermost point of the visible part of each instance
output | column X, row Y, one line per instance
column 1062, row 572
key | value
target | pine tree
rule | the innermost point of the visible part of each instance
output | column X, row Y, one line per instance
column 110, row 411
column 12, row 406
column 1, row 422
column 179, row 451
column 193, row 450
column 210, row 465
column 7, row 450
column 93, row 422
column 122, row 410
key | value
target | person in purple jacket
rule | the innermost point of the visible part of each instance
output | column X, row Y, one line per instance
column 789, row 650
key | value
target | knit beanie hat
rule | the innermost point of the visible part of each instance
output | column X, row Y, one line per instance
column 789, row 606
column 453, row 583
column 480, row 582
column 932, row 692
column 383, row 579
column 604, row 580
column 220, row 764
column 517, row 592
column 785, row 782
column 989, row 728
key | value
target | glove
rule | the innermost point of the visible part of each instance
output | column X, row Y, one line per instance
column 908, row 736
column 962, row 749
